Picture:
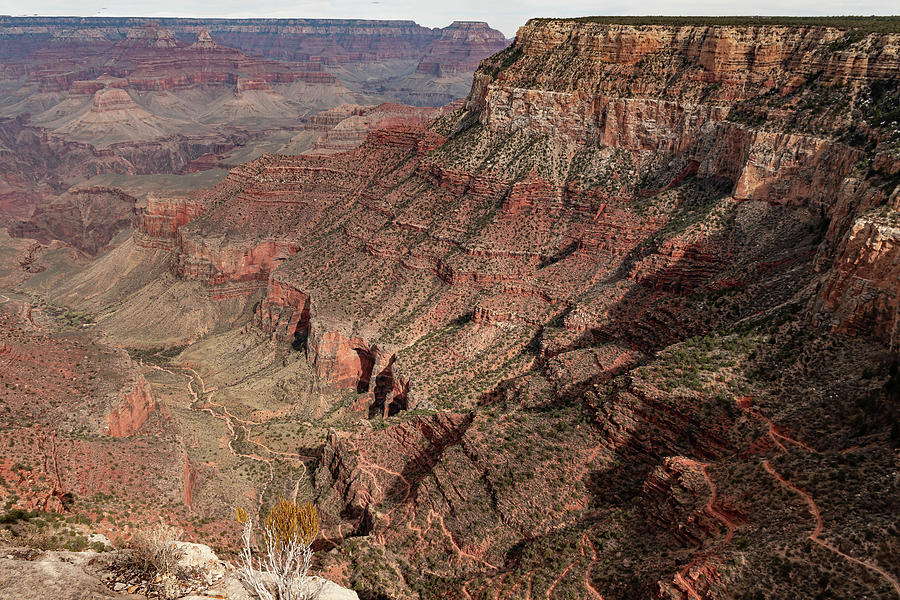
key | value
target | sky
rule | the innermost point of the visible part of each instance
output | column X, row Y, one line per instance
column 505, row 15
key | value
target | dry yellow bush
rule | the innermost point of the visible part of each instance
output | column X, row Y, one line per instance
column 156, row 548
column 288, row 522
column 279, row 570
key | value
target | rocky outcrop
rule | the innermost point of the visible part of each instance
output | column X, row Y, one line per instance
column 52, row 576
column 127, row 418
column 163, row 216
column 408, row 452
column 340, row 360
column 88, row 218
column 676, row 498
column 216, row 265
column 863, row 291
column 346, row 127
column 285, row 313
column 61, row 575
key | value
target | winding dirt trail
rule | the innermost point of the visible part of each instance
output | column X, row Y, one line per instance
column 586, row 545
column 777, row 437
column 711, row 505
column 562, row 576
column 587, row 573
column 814, row 536
column 367, row 467
column 205, row 396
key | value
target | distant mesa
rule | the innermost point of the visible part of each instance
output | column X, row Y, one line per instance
column 78, row 36
column 460, row 48
column 150, row 35
column 113, row 117
column 113, row 99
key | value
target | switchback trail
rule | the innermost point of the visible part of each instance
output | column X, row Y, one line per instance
column 714, row 496
column 776, row 437
column 814, row 536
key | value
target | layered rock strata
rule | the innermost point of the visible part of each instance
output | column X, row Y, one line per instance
column 623, row 324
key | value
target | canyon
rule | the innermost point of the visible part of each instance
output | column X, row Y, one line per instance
column 87, row 98
column 620, row 323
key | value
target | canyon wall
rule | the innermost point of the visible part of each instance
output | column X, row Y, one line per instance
column 314, row 47
column 82, row 97
column 608, row 196
column 605, row 330
column 298, row 40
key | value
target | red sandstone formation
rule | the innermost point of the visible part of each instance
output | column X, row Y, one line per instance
column 127, row 419
column 346, row 127
column 190, row 480
column 862, row 291
column 163, row 216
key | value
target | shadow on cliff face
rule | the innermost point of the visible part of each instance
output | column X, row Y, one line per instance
column 755, row 261
column 366, row 364
column 440, row 434
column 760, row 259
column 711, row 285
column 390, row 394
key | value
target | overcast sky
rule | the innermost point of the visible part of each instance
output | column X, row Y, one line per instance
column 505, row 15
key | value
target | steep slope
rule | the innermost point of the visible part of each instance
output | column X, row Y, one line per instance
column 608, row 191
column 624, row 325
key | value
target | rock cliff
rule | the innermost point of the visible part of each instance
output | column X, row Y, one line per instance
column 607, row 191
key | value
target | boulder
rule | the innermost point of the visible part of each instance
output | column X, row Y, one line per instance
column 52, row 576
column 201, row 561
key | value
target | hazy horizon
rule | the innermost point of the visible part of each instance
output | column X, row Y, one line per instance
column 505, row 16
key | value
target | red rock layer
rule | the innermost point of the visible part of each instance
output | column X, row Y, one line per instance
column 317, row 41
column 346, row 127
column 460, row 48
column 151, row 58
column 862, row 291
column 134, row 411
column 163, row 216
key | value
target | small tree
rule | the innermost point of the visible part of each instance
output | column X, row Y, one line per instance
column 280, row 572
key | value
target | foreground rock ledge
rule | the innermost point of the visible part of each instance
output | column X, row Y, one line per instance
column 29, row 574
